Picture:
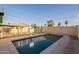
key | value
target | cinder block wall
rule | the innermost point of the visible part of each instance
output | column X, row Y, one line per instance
column 73, row 31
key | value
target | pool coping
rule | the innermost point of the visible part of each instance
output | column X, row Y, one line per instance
column 33, row 36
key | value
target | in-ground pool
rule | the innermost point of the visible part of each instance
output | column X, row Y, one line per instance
column 36, row 44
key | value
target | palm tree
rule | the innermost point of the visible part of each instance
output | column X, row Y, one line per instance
column 44, row 24
column 59, row 24
column 50, row 23
column 66, row 23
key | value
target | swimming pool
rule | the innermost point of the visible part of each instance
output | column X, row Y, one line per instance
column 35, row 45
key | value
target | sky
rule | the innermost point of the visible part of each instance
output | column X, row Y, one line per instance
column 40, row 13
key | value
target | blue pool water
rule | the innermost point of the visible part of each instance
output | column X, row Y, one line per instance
column 35, row 45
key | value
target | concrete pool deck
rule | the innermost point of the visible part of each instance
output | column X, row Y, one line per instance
column 6, row 46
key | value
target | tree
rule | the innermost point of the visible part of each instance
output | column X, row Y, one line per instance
column 45, row 25
column 66, row 23
column 35, row 27
column 50, row 23
column 59, row 24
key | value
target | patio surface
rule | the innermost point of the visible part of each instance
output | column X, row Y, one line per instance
column 72, row 47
